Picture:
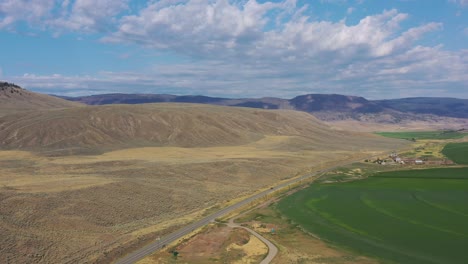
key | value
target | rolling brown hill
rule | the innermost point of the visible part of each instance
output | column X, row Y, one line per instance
column 102, row 128
column 150, row 168
column 341, row 111
column 14, row 99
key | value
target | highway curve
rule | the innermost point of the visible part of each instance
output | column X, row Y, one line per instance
column 166, row 240
column 272, row 249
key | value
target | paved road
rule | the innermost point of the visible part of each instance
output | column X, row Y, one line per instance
column 166, row 240
column 152, row 247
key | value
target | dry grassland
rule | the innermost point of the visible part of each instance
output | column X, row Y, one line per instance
column 295, row 245
column 88, row 208
column 442, row 123
column 220, row 244
column 217, row 244
column 14, row 100
column 94, row 208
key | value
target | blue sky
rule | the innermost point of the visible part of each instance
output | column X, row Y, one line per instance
column 375, row 49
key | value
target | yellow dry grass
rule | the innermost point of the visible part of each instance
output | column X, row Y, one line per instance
column 42, row 183
column 55, row 174
column 441, row 123
column 89, row 205
column 258, row 149
column 253, row 249
column 295, row 245
column 431, row 148
column 91, row 208
column 15, row 100
column 216, row 243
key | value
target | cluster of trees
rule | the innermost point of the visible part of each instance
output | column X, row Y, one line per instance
column 7, row 84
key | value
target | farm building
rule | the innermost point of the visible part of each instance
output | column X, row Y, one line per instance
column 412, row 161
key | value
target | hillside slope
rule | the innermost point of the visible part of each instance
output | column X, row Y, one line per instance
column 102, row 128
column 345, row 112
column 334, row 103
column 450, row 107
column 118, row 98
column 14, row 99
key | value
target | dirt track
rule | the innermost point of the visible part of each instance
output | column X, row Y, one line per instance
column 272, row 249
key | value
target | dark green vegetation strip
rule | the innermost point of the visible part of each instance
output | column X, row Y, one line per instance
column 457, row 152
column 424, row 135
column 437, row 173
column 414, row 217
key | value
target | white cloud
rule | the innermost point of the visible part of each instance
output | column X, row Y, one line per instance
column 460, row 2
column 77, row 15
column 197, row 27
column 214, row 29
column 30, row 11
column 88, row 15
column 433, row 71
column 247, row 48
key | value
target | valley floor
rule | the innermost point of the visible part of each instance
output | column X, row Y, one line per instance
column 73, row 209
column 359, row 213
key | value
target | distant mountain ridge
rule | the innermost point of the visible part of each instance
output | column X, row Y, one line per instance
column 340, row 111
column 118, row 98
column 451, row 107
column 54, row 126
column 325, row 106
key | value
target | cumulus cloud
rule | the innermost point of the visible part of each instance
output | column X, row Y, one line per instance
column 430, row 71
column 438, row 72
column 250, row 48
column 77, row 15
column 31, row 11
column 373, row 36
column 215, row 29
column 88, row 15
column 197, row 27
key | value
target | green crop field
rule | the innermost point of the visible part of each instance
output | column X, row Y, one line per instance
column 457, row 152
column 418, row 216
column 424, row 135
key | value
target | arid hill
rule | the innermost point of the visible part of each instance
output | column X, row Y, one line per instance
column 14, row 99
column 149, row 169
column 95, row 129
column 344, row 112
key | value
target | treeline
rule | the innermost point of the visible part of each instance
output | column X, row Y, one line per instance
column 13, row 88
column 7, row 84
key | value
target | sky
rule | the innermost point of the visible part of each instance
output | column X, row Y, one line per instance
column 237, row 48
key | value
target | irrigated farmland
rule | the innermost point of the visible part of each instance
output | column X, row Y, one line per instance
column 458, row 152
column 424, row 134
column 404, row 217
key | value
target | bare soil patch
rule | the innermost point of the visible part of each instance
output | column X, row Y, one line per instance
column 295, row 245
column 216, row 244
